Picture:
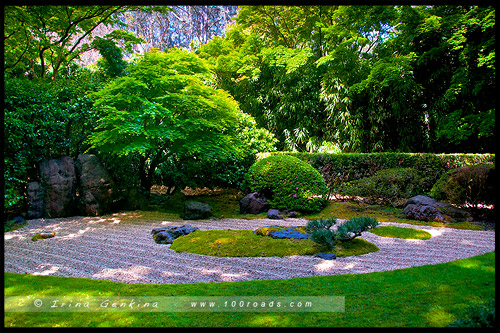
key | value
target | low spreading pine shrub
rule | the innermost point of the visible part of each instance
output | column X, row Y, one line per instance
column 323, row 233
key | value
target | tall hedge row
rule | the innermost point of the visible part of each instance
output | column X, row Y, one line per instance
column 344, row 167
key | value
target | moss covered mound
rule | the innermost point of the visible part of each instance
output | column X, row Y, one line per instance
column 245, row 243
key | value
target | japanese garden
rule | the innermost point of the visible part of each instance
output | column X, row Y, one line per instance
column 290, row 166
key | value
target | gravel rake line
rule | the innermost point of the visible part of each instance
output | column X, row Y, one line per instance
column 125, row 255
column 86, row 245
column 167, row 259
column 84, row 269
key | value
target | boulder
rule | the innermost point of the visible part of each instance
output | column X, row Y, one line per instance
column 274, row 214
column 195, row 210
column 326, row 256
column 253, row 203
column 95, row 191
column 59, row 184
column 35, row 200
column 18, row 220
column 424, row 208
column 166, row 235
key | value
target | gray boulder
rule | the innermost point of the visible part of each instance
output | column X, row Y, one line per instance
column 253, row 203
column 424, row 208
column 274, row 214
column 35, row 200
column 326, row 256
column 59, row 184
column 195, row 210
column 95, row 186
column 166, row 235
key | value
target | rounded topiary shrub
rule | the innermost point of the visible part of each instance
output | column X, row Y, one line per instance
column 288, row 183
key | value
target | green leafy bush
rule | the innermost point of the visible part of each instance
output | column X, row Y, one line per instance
column 471, row 185
column 389, row 186
column 338, row 169
column 322, row 232
column 288, row 183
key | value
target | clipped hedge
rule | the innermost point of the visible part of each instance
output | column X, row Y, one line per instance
column 388, row 186
column 337, row 169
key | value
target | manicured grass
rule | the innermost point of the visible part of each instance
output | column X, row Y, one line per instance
column 426, row 296
column 244, row 243
column 398, row 232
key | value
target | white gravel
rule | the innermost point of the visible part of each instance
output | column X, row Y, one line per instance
column 109, row 249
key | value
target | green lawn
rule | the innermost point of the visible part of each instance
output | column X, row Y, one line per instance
column 426, row 296
column 398, row 232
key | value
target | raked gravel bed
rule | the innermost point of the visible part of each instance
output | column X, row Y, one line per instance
column 110, row 249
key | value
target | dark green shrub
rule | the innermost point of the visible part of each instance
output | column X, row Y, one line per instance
column 288, row 183
column 389, row 186
column 467, row 186
column 478, row 316
column 322, row 232
column 338, row 169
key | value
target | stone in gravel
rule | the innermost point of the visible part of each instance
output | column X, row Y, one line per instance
column 326, row 256
column 274, row 214
column 42, row 235
column 166, row 235
column 253, row 203
column 195, row 210
column 424, row 208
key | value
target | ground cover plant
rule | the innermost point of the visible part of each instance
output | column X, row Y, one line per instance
column 425, row 296
column 398, row 232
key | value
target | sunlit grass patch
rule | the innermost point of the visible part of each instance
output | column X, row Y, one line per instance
column 398, row 232
column 424, row 296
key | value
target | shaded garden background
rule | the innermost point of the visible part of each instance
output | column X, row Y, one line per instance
column 302, row 79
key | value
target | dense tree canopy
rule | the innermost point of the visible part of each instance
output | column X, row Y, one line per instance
column 163, row 110
column 317, row 78
column 365, row 78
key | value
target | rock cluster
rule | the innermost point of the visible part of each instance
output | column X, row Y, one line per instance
column 424, row 208
column 166, row 235
column 68, row 187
